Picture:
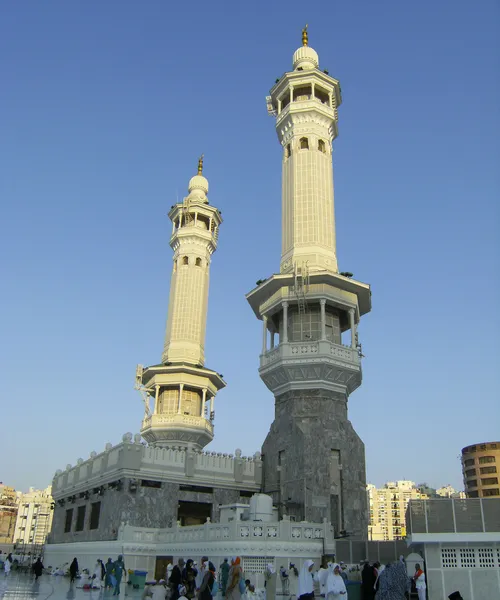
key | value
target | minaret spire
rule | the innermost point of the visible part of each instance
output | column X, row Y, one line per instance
column 305, row 36
column 181, row 386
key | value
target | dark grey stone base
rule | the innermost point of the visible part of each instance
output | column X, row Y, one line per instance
column 314, row 461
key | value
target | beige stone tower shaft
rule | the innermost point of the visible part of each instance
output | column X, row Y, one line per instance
column 305, row 103
column 195, row 226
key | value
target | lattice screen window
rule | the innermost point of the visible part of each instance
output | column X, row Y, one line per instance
column 256, row 564
column 467, row 558
column 449, row 558
column 486, row 557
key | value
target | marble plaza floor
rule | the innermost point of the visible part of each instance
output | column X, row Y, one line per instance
column 19, row 586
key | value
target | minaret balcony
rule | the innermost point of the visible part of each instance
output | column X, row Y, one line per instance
column 311, row 364
column 305, row 105
column 178, row 422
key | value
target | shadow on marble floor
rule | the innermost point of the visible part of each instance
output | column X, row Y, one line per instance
column 20, row 586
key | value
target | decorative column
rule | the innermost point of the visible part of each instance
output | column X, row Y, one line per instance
column 157, row 388
column 203, row 400
column 353, row 327
column 181, row 389
column 212, row 405
column 264, row 334
column 285, row 322
column 322, row 303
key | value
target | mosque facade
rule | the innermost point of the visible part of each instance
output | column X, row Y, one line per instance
column 139, row 498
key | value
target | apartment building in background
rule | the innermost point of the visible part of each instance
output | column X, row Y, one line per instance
column 8, row 513
column 480, row 465
column 388, row 508
column 34, row 519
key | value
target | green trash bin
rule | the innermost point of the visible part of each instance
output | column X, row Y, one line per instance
column 138, row 579
column 354, row 590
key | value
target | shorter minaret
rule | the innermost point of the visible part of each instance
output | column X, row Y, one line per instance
column 180, row 389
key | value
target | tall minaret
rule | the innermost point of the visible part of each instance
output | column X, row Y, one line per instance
column 314, row 462
column 181, row 389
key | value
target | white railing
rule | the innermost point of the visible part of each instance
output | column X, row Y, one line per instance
column 321, row 348
column 181, row 420
column 284, row 530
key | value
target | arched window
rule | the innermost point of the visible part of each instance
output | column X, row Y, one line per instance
column 288, row 151
column 185, row 260
column 198, row 262
column 175, row 266
column 304, row 143
column 321, row 146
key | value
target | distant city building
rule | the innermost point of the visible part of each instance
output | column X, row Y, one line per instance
column 449, row 492
column 388, row 508
column 8, row 513
column 34, row 518
column 480, row 464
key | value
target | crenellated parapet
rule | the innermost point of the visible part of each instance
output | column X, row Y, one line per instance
column 133, row 460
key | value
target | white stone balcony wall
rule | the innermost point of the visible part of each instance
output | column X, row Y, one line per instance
column 134, row 459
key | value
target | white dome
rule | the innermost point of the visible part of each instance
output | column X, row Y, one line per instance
column 305, row 58
column 198, row 182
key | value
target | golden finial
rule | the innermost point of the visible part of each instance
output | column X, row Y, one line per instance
column 200, row 165
column 305, row 37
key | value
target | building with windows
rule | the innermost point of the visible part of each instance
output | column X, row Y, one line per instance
column 447, row 491
column 34, row 519
column 480, row 468
column 388, row 508
column 459, row 541
column 8, row 513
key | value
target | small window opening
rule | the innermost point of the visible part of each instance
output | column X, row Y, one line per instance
column 322, row 146
column 304, row 143
column 185, row 260
column 302, row 93
column 285, row 101
column 288, row 151
column 321, row 95
column 198, row 262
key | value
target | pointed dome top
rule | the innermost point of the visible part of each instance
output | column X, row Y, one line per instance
column 305, row 58
column 198, row 185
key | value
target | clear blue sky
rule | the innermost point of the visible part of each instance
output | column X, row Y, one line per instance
column 105, row 107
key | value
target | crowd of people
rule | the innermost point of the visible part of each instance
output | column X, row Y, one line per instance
column 108, row 576
column 188, row 581
column 391, row 582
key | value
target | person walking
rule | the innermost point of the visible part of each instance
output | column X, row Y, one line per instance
column 176, row 579
column 108, row 582
column 38, row 569
column 271, row 576
column 293, row 581
column 368, row 578
column 189, row 579
column 322, row 577
column 394, row 583
column 7, row 565
column 205, row 591
column 306, row 582
column 233, row 590
column 73, row 570
column 285, row 588
column 118, row 571
column 224, row 575
column 420, row 585
column 335, row 588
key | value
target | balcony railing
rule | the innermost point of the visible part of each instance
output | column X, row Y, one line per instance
column 321, row 349
column 177, row 420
